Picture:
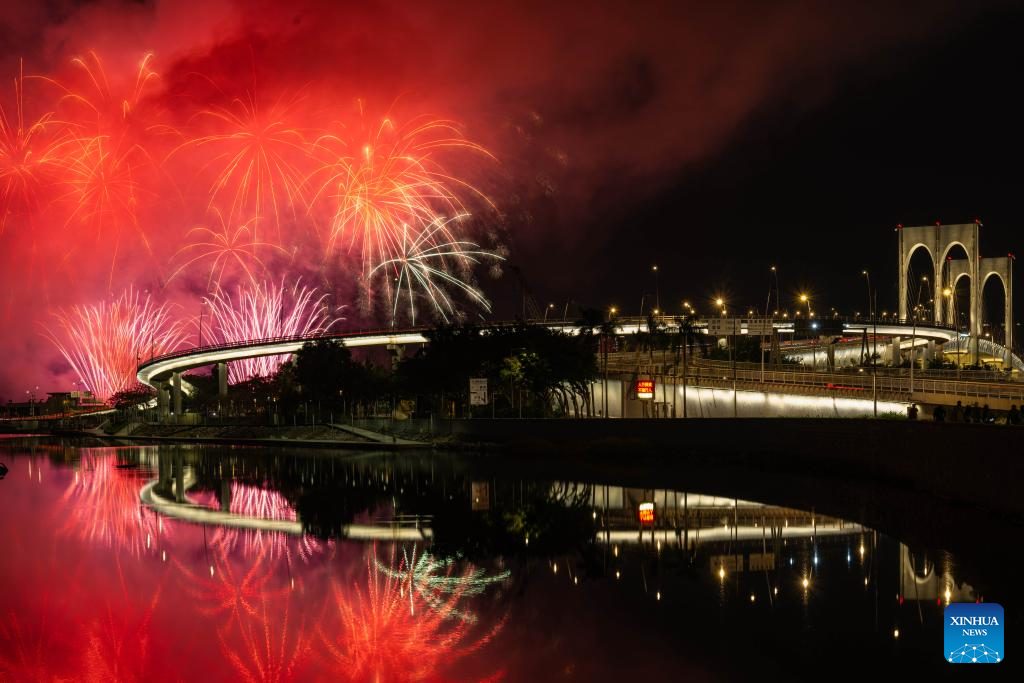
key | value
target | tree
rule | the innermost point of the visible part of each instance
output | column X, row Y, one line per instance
column 131, row 397
column 323, row 369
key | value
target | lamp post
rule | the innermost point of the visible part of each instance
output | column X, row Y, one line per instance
column 548, row 308
column 720, row 302
column 874, row 346
column 657, row 289
column 810, row 325
column 202, row 309
column 951, row 304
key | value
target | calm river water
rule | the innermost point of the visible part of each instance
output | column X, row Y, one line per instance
column 153, row 563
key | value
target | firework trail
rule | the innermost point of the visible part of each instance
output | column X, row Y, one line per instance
column 380, row 179
column 427, row 265
column 267, row 311
column 224, row 247
column 384, row 634
column 103, row 343
column 103, row 153
column 257, row 157
column 28, row 156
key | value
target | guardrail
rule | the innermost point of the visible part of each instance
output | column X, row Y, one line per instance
column 858, row 383
column 620, row 322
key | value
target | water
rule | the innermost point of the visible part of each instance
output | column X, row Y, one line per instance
column 260, row 564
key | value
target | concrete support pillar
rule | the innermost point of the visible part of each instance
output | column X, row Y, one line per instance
column 176, row 390
column 164, row 469
column 895, row 355
column 222, row 380
column 1008, row 313
column 163, row 399
column 929, row 350
column 396, row 352
column 225, row 495
column 938, row 285
column 903, row 278
column 179, row 476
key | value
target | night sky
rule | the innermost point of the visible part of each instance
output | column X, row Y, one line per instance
column 714, row 141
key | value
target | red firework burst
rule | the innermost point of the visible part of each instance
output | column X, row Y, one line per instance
column 385, row 178
column 28, row 156
column 256, row 157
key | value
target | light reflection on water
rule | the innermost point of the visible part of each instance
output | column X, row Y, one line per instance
column 456, row 575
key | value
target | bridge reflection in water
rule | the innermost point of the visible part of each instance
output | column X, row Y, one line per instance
column 278, row 559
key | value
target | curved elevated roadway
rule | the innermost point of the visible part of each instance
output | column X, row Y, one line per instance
column 161, row 368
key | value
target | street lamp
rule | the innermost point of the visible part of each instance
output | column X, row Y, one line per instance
column 657, row 289
column 814, row 356
column 549, row 307
column 951, row 308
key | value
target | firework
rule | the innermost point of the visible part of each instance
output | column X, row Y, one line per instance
column 383, row 636
column 428, row 265
column 103, row 155
column 386, row 177
column 223, row 248
column 267, row 311
column 28, row 154
column 256, row 153
column 104, row 343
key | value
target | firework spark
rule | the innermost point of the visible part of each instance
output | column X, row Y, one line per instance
column 28, row 155
column 387, row 177
column 427, row 266
column 104, row 156
column 224, row 247
column 103, row 343
column 256, row 157
column 267, row 311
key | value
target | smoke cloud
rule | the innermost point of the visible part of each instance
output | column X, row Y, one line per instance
column 587, row 110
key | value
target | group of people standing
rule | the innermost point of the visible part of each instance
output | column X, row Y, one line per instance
column 972, row 413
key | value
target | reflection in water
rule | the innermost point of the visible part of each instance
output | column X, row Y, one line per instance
column 388, row 629
column 436, row 581
column 243, row 564
column 101, row 504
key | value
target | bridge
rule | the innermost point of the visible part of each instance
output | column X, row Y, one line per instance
column 164, row 373
column 901, row 339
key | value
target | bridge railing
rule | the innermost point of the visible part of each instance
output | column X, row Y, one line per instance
column 853, row 382
column 638, row 322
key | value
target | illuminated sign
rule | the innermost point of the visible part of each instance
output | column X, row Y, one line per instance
column 647, row 513
column 645, row 388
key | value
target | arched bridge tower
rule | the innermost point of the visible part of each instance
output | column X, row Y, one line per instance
column 938, row 240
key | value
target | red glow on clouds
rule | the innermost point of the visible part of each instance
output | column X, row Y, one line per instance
column 168, row 146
